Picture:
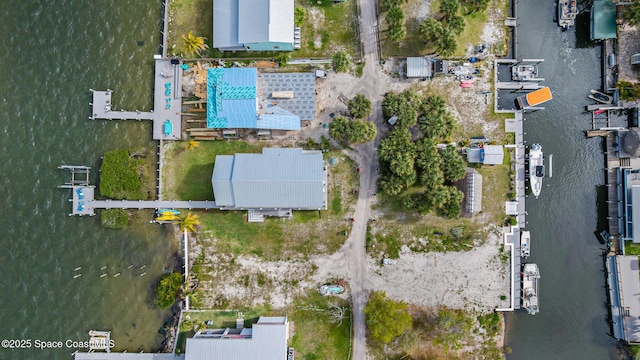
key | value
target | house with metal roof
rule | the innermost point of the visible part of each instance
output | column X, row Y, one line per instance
column 233, row 102
column 265, row 340
column 623, row 278
column 277, row 179
column 253, row 25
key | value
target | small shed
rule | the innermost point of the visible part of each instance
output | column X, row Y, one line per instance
column 419, row 67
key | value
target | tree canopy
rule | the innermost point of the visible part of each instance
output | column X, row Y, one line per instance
column 395, row 21
column 120, row 176
column 168, row 290
column 354, row 132
column 359, row 107
column 386, row 318
column 189, row 222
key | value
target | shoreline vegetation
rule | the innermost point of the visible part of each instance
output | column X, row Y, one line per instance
column 227, row 244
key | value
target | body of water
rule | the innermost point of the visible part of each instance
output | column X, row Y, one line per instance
column 572, row 323
column 51, row 54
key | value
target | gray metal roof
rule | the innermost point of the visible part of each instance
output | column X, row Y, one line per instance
column 418, row 67
column 493, row 154
column 303, row 86
column 265, row 21
column 225, row 23
column 221, row 180
column 126, row 356
column 268, row 342
column 629, row 285
column 278, row 178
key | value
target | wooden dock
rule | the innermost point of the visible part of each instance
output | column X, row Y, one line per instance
column 613, row 183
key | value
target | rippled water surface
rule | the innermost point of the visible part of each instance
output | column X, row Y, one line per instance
column 51, row 54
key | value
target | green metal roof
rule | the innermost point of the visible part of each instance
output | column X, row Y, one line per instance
column 603, row 20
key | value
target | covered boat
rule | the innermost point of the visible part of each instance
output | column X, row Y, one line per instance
column 530, row 277
column 534, row 98
column 536, row 169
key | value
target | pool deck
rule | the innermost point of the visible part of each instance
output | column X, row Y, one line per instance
column 167, row 103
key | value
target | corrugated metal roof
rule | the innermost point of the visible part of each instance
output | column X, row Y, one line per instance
column 265, row 21
column 225, row 23
column 221, row 180
column 268, row 342
column 418, row 67
column 253, row 22
column 281, row 21
column 277, row 178
column 493, row 154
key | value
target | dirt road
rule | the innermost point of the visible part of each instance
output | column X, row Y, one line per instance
column 368, row 162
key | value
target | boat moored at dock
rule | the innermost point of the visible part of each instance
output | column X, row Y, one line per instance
column 536, row 169
column 530, row 276
column 600, row 97
column 567, row 12
column 527, row 72
column 534, row 98
column 525, row 239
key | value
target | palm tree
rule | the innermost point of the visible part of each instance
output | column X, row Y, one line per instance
column 193, row 144
column 189, row 222
column 193, row 44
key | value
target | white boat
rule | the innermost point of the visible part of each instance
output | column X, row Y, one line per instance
column 524, row 72
column 536, row 169
column 530, row 276
column 525, row 239
column 600, row 97
column 567, row 12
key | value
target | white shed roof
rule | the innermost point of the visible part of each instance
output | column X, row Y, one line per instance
column 418, row 67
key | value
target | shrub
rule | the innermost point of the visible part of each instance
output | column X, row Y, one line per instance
column 120, row 175
column 168, row 290
column 341, row 62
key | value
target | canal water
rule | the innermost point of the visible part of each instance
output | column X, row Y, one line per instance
column 51, row 54
column 572, row 322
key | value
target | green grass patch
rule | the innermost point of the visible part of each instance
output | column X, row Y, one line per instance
column 316, row 336
column 631, row 249
column 189, row 15
column 327, row 28
column 114, row 218
column 495, row 189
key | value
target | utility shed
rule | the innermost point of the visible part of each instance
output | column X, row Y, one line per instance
column 487, row 155
column 278, row 178
column 419, row 67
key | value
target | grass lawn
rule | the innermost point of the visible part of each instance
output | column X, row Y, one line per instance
column 187, row 176
column 189, row 15
column 328, row 28
column 315, row 336
column 631, row 249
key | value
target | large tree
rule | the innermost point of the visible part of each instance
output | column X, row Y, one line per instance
column 395, row 21
column 453, row 165
column 168, row 290
column 449, row 8
column 386, row 318
column 471, row 6
column 354, row 132
column 359, row 107
column 189, row 222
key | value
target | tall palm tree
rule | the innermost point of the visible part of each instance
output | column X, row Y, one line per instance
column 193, row 144
column 189, row 222
column 193, row 44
